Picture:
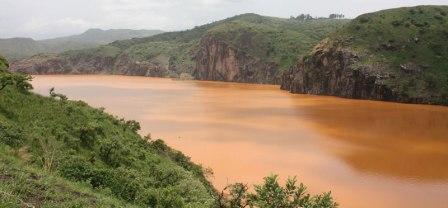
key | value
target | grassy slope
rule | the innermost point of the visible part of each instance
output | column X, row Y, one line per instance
column 416, row 38
column 64, row 153
column 19, row 48
column 266, row 38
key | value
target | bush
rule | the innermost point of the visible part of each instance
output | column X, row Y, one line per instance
column 124, row 185
column 396, row 23
column 11, row 135
column 75, row 168
column 88, row 134
column 110, row 153
column 271, row 194
column 364, row 20
column 133, row 125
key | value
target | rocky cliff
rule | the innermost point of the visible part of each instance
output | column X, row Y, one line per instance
column 332, row 70
column 88, row 64
column 393, row 55
column 217, row 60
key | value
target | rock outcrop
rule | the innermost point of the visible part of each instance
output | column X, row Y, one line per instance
column 86, row 64
column 332, row 70
column 216, row 60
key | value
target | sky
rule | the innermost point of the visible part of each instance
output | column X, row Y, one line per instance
column 41, row 19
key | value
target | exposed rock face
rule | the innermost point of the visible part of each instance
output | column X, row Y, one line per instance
column 218, row 61
column 122, row 65
column 334, row 70
column 155, row 67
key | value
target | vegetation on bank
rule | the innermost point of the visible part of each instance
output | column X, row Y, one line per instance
column 408, row 45
column 61, row 153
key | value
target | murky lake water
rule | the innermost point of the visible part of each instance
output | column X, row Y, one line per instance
column 369, row 154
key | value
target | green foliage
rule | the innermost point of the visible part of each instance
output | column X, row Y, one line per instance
column 3, row 63
column 19, row 81
column 271, row 194
column 69, row 139
column 11, row 135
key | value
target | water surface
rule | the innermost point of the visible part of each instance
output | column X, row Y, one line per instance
column 369, row 154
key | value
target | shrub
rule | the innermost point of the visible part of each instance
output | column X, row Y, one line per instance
column 110, row 153
column 170, row 199
column 364, row 20
column 396, row 23
column 11, row 135
column 123, row 184
column 88, row 134
column 100, row 178
column 271, row 194
column 20, row 81
column 75, row 168
column 133, row 125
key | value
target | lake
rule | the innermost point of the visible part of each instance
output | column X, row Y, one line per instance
column 370, row 154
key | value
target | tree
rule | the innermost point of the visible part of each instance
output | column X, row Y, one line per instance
column 20, row 81
column 303, row 17
column 271, row 194
column 336, row 16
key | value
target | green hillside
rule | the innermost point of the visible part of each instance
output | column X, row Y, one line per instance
column 18, row 48
column 413, row 42
column 403, row 51
column 54, row 151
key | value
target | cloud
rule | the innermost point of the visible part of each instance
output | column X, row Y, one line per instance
column 52, row 18
column 43, row 27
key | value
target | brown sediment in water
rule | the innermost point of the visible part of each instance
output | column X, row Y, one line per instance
column 369, row 154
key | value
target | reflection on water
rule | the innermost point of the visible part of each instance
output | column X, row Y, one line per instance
column 370, row 154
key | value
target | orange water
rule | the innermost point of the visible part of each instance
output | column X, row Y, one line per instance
column 369, row 154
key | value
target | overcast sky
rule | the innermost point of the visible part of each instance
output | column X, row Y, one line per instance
column 41, row 19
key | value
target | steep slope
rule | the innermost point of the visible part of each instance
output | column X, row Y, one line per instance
column 60, row 153
column 244, row 48
column 395, row 55
column 18, row 48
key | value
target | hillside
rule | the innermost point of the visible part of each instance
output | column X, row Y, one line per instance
column 244, row 48
column 395, row 55
column 18, row 48
column 60, row 153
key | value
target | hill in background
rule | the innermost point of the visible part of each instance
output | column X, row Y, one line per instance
column 18, row 48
